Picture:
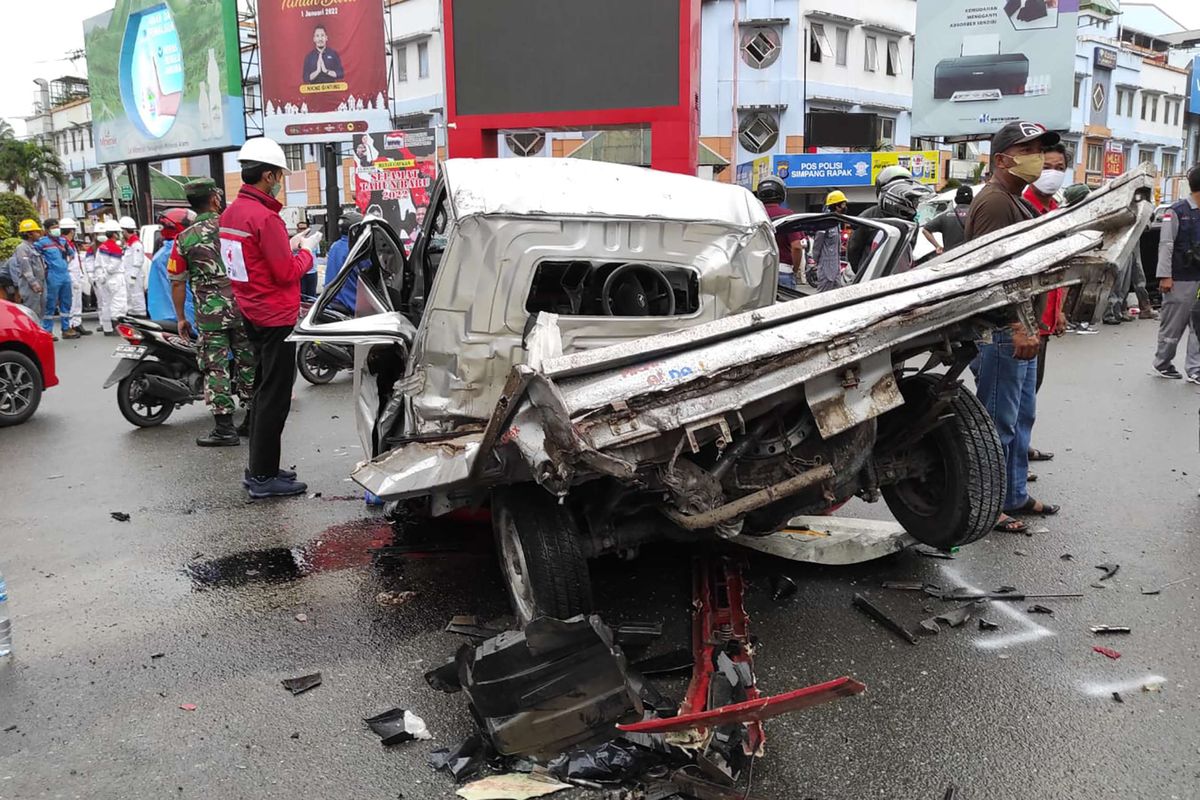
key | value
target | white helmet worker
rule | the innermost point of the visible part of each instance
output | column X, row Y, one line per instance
column 261, row 150
column 126, row 224
column 110, row 227
column 68, row 224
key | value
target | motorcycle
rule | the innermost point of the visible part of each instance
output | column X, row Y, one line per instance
column 159, row 372
column 319, row 362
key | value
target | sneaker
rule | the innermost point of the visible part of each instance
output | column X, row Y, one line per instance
column 1148, row 313
column 275, row 487
column 287, row 474
column 1193, row 378
column 83, row 331
column 71, row 333
column 1168, row 371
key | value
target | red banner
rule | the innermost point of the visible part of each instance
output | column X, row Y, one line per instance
column 392, row 177
column 324, row 69
column 1114, row 160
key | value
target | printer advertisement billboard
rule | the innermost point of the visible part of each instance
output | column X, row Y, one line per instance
column 985, row 63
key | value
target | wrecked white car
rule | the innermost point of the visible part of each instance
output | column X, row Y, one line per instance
column 599, row 353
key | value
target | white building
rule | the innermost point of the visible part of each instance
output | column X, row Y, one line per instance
column 62, row 118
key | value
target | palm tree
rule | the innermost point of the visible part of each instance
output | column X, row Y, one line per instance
column 29, row 165
column 6, row 131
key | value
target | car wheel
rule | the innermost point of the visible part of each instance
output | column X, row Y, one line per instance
column 541, row 554
column 311, row 366
column 136, row 407
column 954, row 494
column 20, row 388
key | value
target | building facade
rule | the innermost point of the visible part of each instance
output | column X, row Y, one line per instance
column 62, row 119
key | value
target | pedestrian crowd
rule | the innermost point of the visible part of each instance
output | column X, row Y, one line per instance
column 1027, row 171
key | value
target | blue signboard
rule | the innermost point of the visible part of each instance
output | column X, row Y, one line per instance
column 819, row 170
column 1194, row 105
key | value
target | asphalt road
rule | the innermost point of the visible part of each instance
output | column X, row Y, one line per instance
column 215, row 585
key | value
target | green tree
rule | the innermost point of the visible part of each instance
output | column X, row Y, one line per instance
column 30, row 165
column 6, row 131
column 15, row 208
column 8, row 247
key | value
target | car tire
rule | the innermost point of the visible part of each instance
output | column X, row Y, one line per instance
column 20, row 388
column 960, row 499
column 128, row 394
column 541, row 554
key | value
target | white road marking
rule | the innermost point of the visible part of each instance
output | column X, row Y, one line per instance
column 1032, row 631
column 1094, row 689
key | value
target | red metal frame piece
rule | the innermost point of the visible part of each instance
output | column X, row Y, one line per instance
column 719, row 620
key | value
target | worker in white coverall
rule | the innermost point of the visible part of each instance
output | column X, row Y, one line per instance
column 135, row 269
column 108, row 277
column 79, row 278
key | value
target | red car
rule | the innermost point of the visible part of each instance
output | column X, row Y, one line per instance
column 26, row 363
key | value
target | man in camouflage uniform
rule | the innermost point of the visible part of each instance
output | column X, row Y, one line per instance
column 196, row 259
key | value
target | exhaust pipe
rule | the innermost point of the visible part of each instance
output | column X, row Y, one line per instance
column 335, row 355
column 170, row 389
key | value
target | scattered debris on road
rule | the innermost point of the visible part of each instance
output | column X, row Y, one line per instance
column 119, row 516
column 954, row 618
column 511, row 786
column 302, row 683
column 301, row 618
column 783, row 587
column 1159, row 589
column 156, row 655
column 188, row 706
column 987, row 625
column 397, row 725
column 1107, row 652
column 1110, row 629
column 464, row 761
column 394, row 598
column 879, row 615
column 1117, row 696
column 1153, row 686
column 468, row 625
column 1037, row 608
column 1109, row 569
column 929, row 552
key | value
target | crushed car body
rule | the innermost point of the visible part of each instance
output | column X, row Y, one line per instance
column 599, row 352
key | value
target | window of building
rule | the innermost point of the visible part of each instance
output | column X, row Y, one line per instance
column 760, row 47
column 1120, row 101
column 89, row 130
column 1178, row 106
column 843, row 45
column 1154, row 109
column 818, row 44
column 1095, row 158
column 871, row 64
column 422, row 59
column 1145, row 104
column 401, row 63
column 1129, row 108
column 893, row 58
column 1168, row 164
column 758, row 131
column 294, row 153
column 1078, row 88
column 887, row 131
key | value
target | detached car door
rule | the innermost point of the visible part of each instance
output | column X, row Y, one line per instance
column 380, row 334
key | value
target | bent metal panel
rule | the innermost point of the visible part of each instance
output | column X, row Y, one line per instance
column 324, row 69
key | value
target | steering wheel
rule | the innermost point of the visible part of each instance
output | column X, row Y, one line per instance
column 637, row 290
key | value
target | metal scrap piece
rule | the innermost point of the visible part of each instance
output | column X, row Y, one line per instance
column 879, row 615
column 1109, row 569
column 1110, row 629
column 302, row 683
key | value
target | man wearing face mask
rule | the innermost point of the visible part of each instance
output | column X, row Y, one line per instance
column 1041, row 196
column 265, row 276
column 1006, row 369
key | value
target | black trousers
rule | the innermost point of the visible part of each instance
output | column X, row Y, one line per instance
column 1041, row 367
column 274, row 375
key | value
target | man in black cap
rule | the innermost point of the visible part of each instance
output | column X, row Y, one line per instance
column 1006, row 369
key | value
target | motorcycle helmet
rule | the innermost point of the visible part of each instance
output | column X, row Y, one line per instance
column 900, row 199
column 348, row 220
column 174, row 221
column 889, row 174
column 771, row 190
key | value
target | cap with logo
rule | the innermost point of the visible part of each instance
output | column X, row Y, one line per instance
column 1015, row 133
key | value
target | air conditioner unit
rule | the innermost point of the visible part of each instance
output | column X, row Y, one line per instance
column 980, row 77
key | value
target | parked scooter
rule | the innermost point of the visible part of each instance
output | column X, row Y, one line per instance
column 319, row 362
column 159, row 372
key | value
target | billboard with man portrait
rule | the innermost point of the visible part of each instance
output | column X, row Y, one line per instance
column 984, row 63
column 165, row 79
column 324, row 69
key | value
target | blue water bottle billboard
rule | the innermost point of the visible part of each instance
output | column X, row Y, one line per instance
column 165, row 79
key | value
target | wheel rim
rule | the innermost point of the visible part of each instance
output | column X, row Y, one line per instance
column 16, row 389
column 143, row 407
column 512, row 563
column 313, row 363
column 924, row 494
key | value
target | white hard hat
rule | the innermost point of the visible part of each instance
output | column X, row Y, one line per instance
column 67, row 224
column 127, row 224
column 108, row 227
column 261, row 150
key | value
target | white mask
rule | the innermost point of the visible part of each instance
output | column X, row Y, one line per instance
column 1050, row 181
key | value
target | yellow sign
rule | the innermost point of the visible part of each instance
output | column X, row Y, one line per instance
column 923, row 164
column 759, row 169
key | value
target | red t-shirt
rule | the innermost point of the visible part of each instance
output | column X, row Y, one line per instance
column 264, row 273
column 1054, row 297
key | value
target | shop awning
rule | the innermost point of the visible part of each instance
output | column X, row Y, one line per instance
column 165, row 188
column 633, row 147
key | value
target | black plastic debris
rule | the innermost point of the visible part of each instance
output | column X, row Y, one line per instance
column 879, row 615
column 1040, row 609
column 665, row 664
column 303, row 683
column 651, row 697
column 555, row 685
column 397, row 725
column 464, row 761
column 445, row 677
column 954, row 618
column 468, row 625
column 119, row 516
column 986, row 625
column 909, row 586
column 157, row 655
column 929, row 552
column 1067, row 557
column 1117, row 696
column 616, row 761
column 1111, row 629
column 1109, row 569
column 782, row 587
column 951, row 793
column 637, row 635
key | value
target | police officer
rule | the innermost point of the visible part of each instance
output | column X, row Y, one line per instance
column 225, row 354
column 1179, row 279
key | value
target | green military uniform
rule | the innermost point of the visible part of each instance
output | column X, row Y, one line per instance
column 196, row 258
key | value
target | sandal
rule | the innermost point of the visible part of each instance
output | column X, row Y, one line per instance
column 1038, row 455
column 1031, row 478
column 1007, row 524
column 1031, row 509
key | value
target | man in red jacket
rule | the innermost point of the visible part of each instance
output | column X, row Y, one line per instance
column 264, row 270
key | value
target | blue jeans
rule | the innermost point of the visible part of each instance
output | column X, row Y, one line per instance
column 1007, row 387
column 787, row 280
column 58, row 301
